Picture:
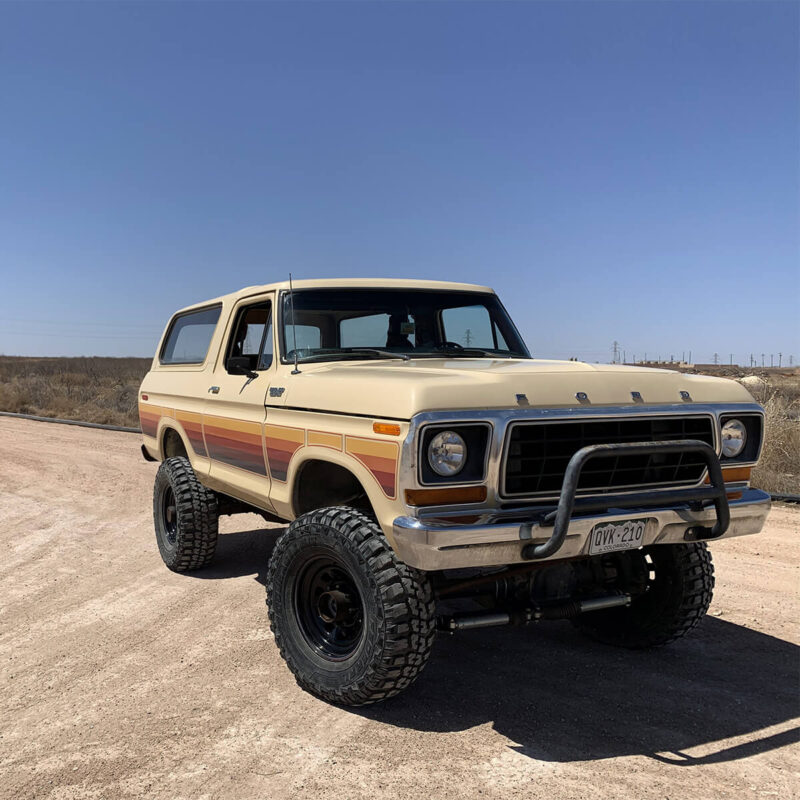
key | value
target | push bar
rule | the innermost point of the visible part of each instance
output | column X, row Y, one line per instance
column 568, row 504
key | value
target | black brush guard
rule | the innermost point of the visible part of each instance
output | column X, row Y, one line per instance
column 695, row 497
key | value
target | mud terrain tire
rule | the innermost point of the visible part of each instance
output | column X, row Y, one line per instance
column 679, row 590
column 354, row 624
column 185, row 516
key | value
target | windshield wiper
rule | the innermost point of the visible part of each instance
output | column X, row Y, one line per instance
column 467, row 352
column 334, row 355
column 378, row 353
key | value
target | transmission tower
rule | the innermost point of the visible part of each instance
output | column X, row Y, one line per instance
column 716, row 358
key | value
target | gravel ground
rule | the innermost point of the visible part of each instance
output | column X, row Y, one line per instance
column 121, row 679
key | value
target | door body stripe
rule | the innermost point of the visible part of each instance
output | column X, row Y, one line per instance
column 235, row 442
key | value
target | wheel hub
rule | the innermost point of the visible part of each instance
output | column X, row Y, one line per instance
column 335, row 606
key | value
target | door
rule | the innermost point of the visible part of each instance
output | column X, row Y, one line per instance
column 233, row 419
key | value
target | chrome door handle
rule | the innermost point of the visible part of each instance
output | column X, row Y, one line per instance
column 213, row 389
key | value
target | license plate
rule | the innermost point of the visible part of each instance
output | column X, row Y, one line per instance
column 610, row 536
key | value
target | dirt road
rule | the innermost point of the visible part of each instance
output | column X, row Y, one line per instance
column 121, row 679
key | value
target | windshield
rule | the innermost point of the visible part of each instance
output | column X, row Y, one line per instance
column 336, row 324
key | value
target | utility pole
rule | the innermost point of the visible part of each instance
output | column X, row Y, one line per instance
column 616, row 351
column 751, row 360
column 624, row 358
column 791, row 360
column 780, row 358
column 771, row 360
column 762, row 361
column 690, row 356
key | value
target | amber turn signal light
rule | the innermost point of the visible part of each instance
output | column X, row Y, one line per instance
column 734, row 474
column 443, row 497
column 387, row 428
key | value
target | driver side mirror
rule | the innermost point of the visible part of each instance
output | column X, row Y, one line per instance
column 240, row 365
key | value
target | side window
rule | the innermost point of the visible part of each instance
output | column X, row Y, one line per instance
column 472, row 326
column 252, row 336
column 189, row 337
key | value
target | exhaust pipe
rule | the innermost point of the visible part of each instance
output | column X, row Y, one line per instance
column 465, row 622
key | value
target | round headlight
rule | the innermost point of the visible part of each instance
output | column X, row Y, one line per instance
column 734, row 436
column 447, row 453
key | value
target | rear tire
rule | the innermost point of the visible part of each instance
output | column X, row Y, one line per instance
column 185, row 515
column 679, row 587
column 354, row 624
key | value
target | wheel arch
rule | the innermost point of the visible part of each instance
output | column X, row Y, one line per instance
column 320, row 481
column 173, row 442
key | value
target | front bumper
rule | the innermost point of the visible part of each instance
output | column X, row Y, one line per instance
column 501, row 538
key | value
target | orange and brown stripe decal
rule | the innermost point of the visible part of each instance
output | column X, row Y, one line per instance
column 282, row 443
column 149, row 416
column 379, row 457
column 235, row 442
column 193, row 425
column 323, row 439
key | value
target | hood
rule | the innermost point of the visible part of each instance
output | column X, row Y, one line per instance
column 400, row 389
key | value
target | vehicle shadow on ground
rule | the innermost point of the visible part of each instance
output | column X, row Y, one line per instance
column 242, row 553
column 563, row 698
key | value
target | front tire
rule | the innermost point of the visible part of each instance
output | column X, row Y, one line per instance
column 679, row 583
column 354, row 624
column 185, row 515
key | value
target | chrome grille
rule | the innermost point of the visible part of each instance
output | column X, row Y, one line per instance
column 537, row 454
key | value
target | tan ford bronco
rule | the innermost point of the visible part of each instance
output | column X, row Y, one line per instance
column 436, row 476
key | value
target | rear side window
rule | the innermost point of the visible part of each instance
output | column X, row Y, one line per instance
column 189, row 337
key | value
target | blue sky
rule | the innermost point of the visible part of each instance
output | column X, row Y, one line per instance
column 616, row 171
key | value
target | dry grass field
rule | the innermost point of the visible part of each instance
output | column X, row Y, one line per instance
column 779, row 469
column 104, row 390
column 89, row 389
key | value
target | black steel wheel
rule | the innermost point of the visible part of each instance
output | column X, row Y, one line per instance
column 672, row 588
column 354, row 624
column 169, row 512
column 185, row 516
column 328, row 606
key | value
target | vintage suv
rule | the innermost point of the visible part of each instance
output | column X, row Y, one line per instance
column 436, row 476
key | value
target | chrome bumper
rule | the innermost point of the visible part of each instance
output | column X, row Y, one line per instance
column 500, row 538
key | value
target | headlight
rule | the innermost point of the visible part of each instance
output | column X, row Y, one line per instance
column 447, row 453
column 734, row 437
